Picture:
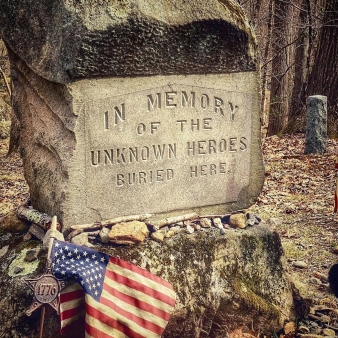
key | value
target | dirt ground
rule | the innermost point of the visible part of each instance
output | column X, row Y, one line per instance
column 296, row 201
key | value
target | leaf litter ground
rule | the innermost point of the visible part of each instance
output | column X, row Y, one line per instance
column 296, row 201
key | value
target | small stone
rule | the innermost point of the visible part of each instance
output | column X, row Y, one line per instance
column 328, row 332
column 12, row 223
column 190, row 229
column 217, row 222
column 180, row 224
column 222, row 231
column 17, row 269
column 129, row 233
column 274, row 221
column 176, row 229
column 251, row 219
column 30, row 255
column 258, row 218
column 205, row 222
column 104, row 235
column 315, row 281
column 4, row 250
column 303, row 329
column 81, row 239
column 27, row 237
column 170, row 233
column 157, row 236
column 300, row 264
column 238, row 221
column 197, row 227
column 290, row 328
column 36, row 231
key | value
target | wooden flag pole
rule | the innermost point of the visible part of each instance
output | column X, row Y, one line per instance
column 53, row 231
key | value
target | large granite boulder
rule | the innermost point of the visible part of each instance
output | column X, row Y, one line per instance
column 134, row 106
column 223, row 282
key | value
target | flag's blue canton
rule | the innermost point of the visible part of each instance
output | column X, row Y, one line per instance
column 86, row 266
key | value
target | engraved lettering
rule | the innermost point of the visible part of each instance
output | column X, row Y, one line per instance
column 195, row 124
column 203, row 170
column 233, row 111
column 97, row 162
column 243, row 144
column 153, row 126
column 207, row 169
column 141, row 128
column 142, row 176
column 212, row 169
column 120, row 180
column 233, row 143
column 186, row 99
column 131, row 178
column 218, row 103
column 108, row 157
column 193, row 171
column 133, row 154
column 145, row 153
column 191, row 148
column 153, row 103
column 120, row 156
column 170, row 174
column 201, row 147
column 204, row 101
column 222, row 146
column 206, row 123
column 169, row 99
column 158, row 151
column 222, row 168
column 172, row 150
column 159, row 175
column 120, row 115
column 212, row 146
column 182, row 122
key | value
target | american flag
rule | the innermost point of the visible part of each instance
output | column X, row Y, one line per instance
column 117, row 298
column 336, row 191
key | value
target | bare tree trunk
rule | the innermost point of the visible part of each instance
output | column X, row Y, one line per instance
column 300, row 63
column 323, row 79
column 278, row 100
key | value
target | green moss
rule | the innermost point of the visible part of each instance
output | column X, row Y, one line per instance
column 253, row 302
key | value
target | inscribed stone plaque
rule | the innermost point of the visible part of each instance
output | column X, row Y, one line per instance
column 135, row 106
column 164, row 144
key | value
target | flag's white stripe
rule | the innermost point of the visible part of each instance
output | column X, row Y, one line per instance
column 136, row 311
column 139, row 295
column 122, row 319
column 141, row 279
column 104, row 328
column 71, row 304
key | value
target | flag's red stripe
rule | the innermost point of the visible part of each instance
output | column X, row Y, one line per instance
column 68, row 296
column 140, row 271
column 137, row 303
column 139, row 287
column 64, row 315
column 77, row 324
column 138, row 320
column 103, row 318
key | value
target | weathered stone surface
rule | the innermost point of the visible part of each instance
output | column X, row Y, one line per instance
column 222, row 282
column 64, row 40
column 128, row 233
column 316, row 125
column 12, row 223
column 167, row 105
